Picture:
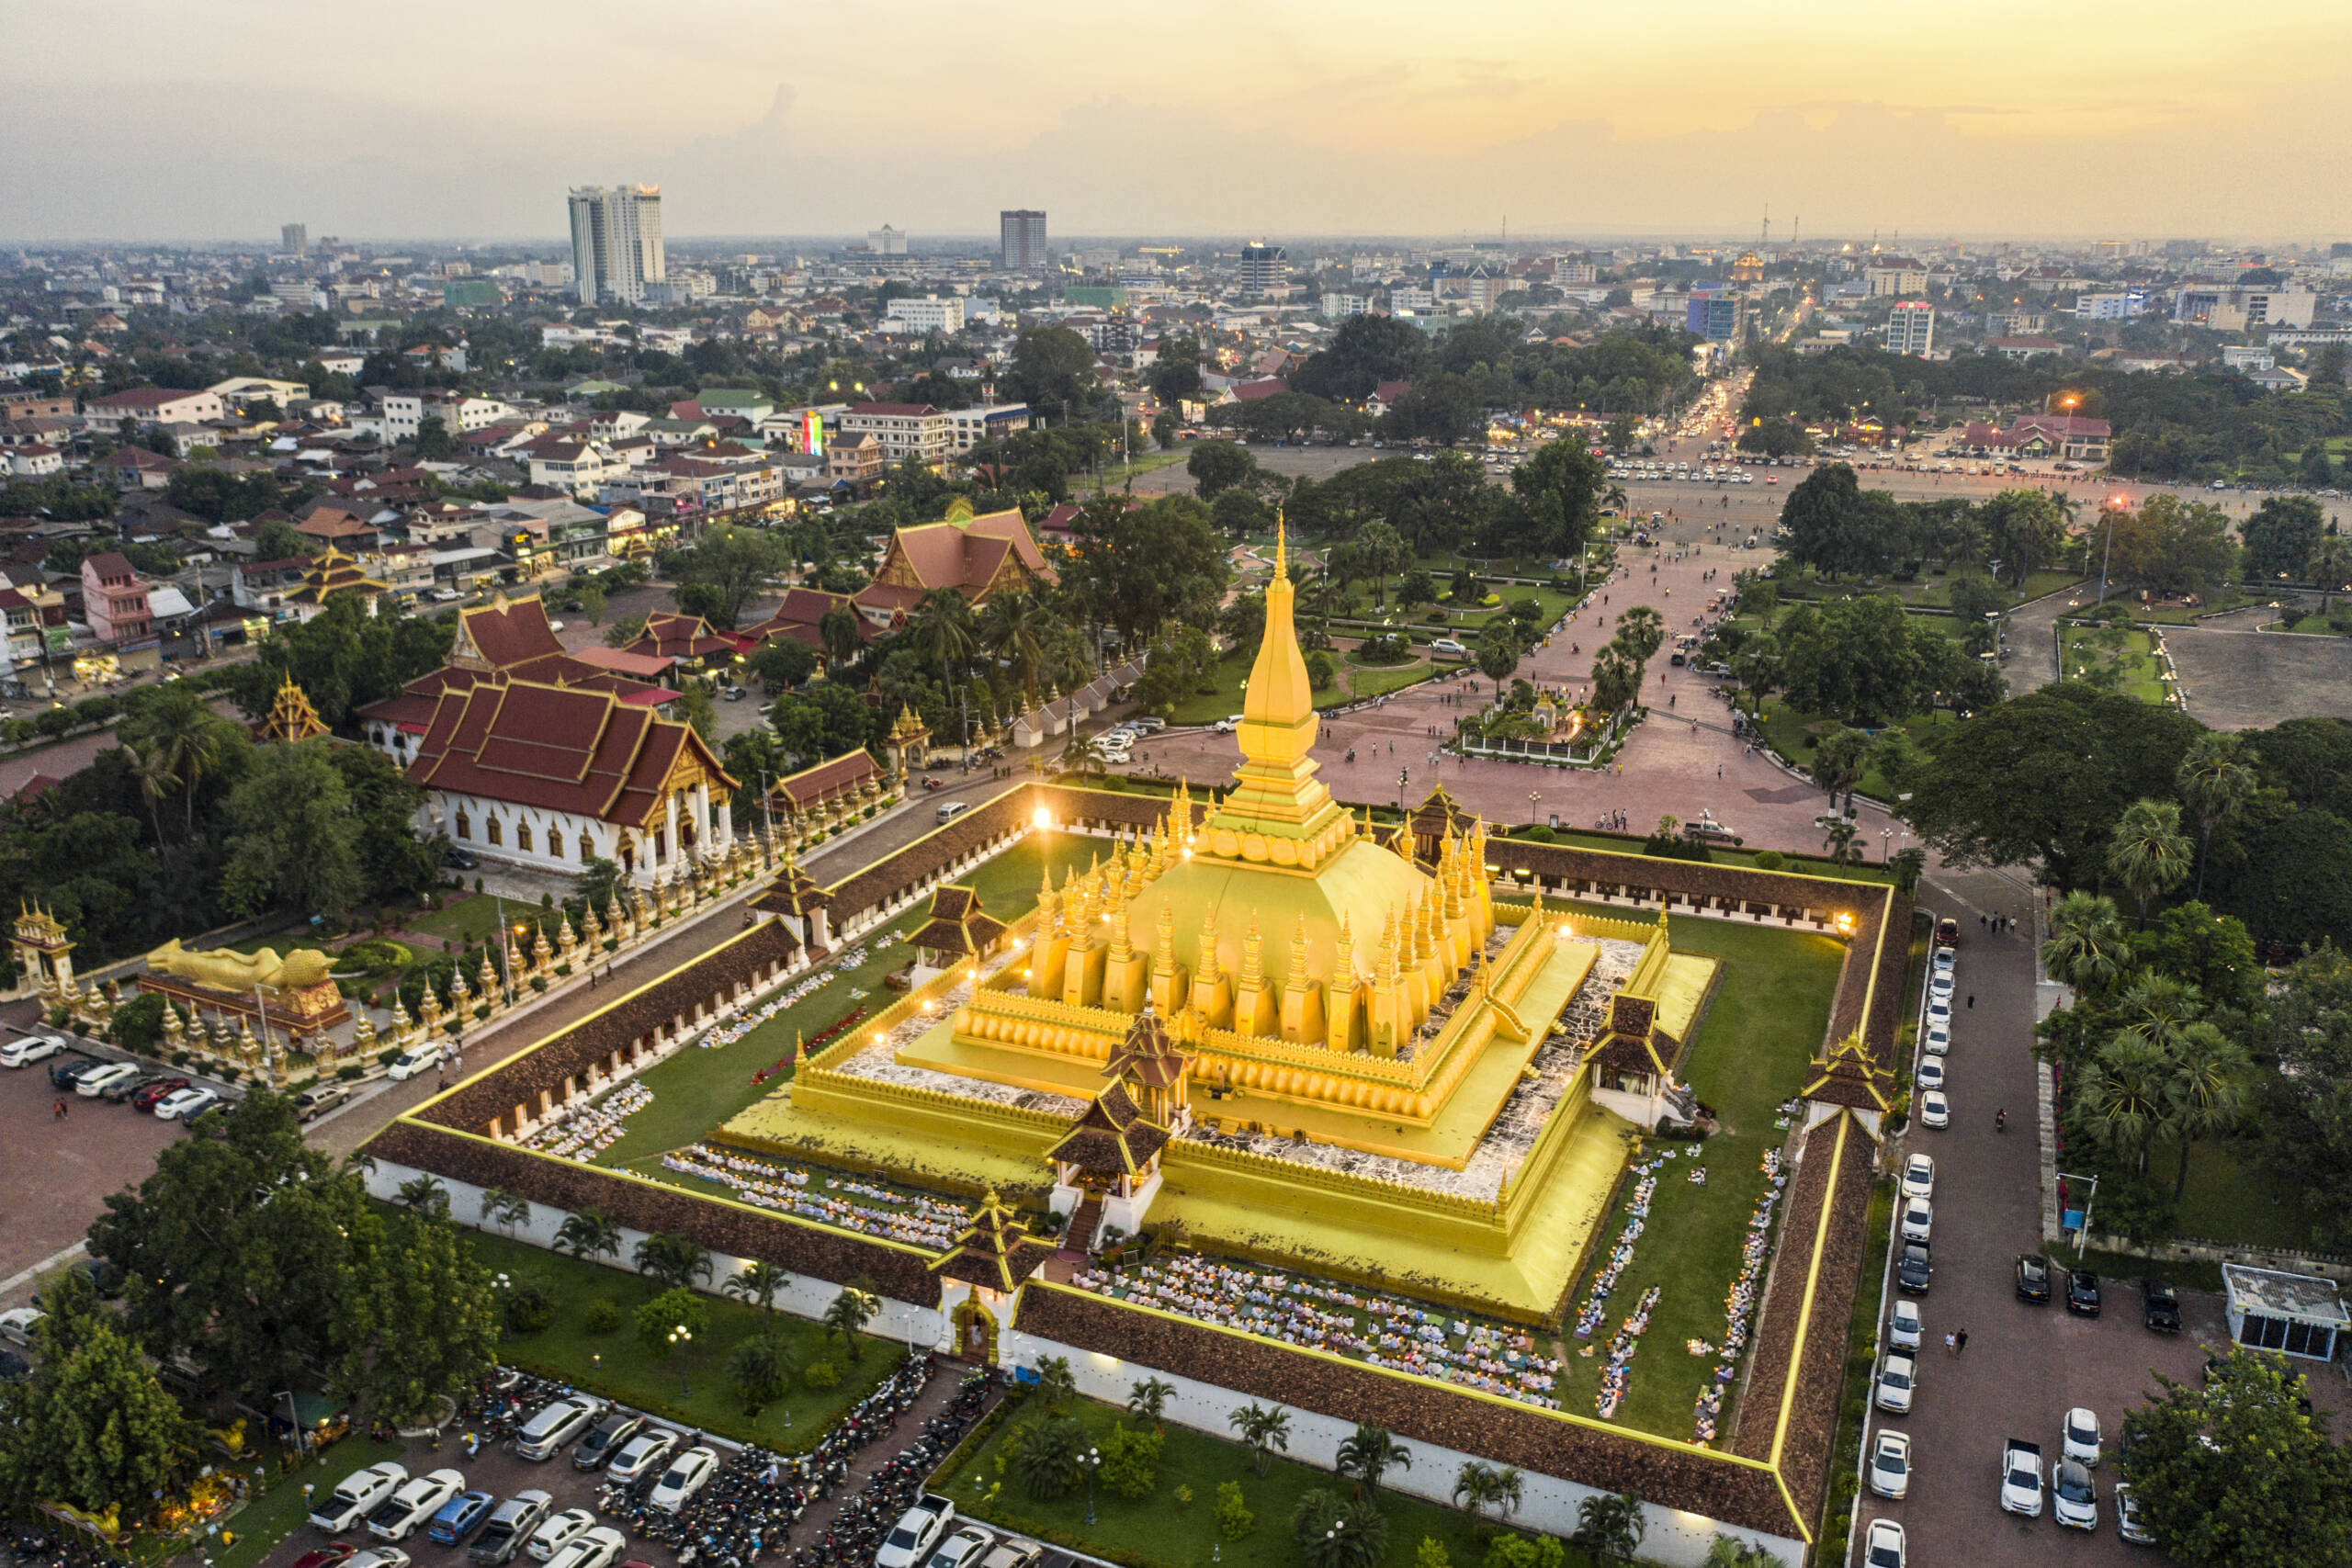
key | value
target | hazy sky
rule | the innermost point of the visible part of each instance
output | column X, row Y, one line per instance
column 221, row 119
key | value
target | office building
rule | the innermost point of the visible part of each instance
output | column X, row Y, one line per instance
column 1264, row 267
column 1911, row 329
column 886, row 241
column 2226, row 307
column 615, row 243
column 1339, row 307
column 1717, row 312
column 928, row 315
column 1021, row 244
column 2111, row 307
column 294, row 239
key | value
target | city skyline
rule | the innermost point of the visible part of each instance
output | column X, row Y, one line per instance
column 1288, row 124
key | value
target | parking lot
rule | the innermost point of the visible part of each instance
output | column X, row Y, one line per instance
column 2025, row 1365
column 57, row 1171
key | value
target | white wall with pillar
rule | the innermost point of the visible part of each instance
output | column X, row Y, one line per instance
column 564, row 841
column 1674, row 1535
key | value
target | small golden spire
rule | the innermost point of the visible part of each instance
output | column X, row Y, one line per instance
column 1282, row 549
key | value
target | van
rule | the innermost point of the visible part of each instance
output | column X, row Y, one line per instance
column 554, row 1427
column 950, row 810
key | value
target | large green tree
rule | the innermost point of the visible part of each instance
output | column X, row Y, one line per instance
column 731, row 564
column 1053, row 370
column 1558, row 491
column 247, row 1252
column 2043, row 777
column 435, row 1321
column 295, row 836
column 91, row 1426
column 1134, row 567
column 1215, row 466
column 2306, row 1119
column 2280, row 537
column 2233, row 1474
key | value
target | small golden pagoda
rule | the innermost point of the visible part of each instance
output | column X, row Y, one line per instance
column 331, row 572
column 291, row 718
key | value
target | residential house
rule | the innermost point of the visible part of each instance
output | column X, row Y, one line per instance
column 854, row 460
column 113, row 601
column 905, row 430
column 135, row 467
column 153, row 405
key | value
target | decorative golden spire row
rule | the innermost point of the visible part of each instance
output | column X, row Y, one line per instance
column 1207, row 966
column 1296, row 979
column 1252, row 969
column 1343, row 952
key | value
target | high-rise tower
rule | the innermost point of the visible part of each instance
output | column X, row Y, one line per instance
column 617, row 243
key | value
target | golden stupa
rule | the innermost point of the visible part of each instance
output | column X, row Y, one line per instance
column 1368, row 1079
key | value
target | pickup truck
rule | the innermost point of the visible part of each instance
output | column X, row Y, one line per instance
column 2021, row 1477
column 355, row 1496
column 917, row 1531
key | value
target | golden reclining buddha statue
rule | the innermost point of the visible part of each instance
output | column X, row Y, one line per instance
column 225, row 969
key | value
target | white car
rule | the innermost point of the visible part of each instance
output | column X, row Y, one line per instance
column 1918, row 1219
column 1896, row 1379
column 1228, row 724
column 687, row 1474
column 377, row 1557
column 912, row 1539
column 963, row 1548
column 1940, row 1011
column 599, row 1548
column 1935, row 1111
column 2073, row 1495
column 17, row 1324
column 1905, row 1331
column 1451, row 646
column 2127, row 1522
column 356, row 1495
column 1939, row 985
column 412, row 1503
column 31, row 1048
column 1947, row 960
column 412, row 1061
column 185, row 1103
column 1931, row 1073
column 2079, row 1435
column 1919, row 1177
column 1886, row 1546
column 1938, row 1039
column 1891, row 1464
column 558, row 1531
column 98, row 1080
column 647, row 1452
column 2021, row 1478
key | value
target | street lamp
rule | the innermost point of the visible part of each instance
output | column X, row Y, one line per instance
column 1532, row 796
column 1091, row 1463
column 682, row 1339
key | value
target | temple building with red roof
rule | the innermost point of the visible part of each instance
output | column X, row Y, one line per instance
column 552, row 776
column 507, row 639
column 980, row 556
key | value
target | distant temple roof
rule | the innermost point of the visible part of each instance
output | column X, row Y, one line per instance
column 996, row 1250
column 957, row 925
column 1111, row 1136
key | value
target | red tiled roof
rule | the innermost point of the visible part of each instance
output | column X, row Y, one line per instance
column 826, row 779
column 556, row 748
column 143, row 398
column 644, row 666
column 509, row 633
column 1250, row 391
column 112, row 563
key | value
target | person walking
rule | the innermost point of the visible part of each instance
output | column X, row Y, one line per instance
column 1951, row 1344
column 1960, row 1342
column 59, row 1114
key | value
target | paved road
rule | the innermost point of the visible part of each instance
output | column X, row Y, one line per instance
column 2025, row 1365
column 57, row 1173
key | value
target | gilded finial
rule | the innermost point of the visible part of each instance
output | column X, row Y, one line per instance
column 1282, row 549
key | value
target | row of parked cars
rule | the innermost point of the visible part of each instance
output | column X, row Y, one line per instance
column 392, row 1504
column 165, row 1094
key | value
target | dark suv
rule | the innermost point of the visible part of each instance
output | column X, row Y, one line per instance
column 1912, row 1269
column 2082, row 1292
column 2159, row 1308
column 605, row 1439
column 2034, row 1278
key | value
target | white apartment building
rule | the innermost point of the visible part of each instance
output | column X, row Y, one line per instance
column 886, row 241
column 928, row 315
column 1896, row 276
column 153, row 405
column 967, row 428
column 2226, row 307
column 2111, row 307
column 905, row 430
column 1420, row 300
column 405, row 413
column 1912, row 328
column 617, row 242
column 1339, row 307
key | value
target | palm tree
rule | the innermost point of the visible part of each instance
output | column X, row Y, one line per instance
column 1610, row 1529
column 188, row 739
column 838, row 629
column 424, row 1195
column 1057, row 1385
column 588, row 1234
column 1510, row 1489
column 762, row 1368
column 1839, row 759
column 1370, row 1453
column 2209, row 1075
column 849, row 1312
column 944, row 631
column 758, row 1281
column 1149, row 1399
column 1474, row 1485
column 1013, row 628
column 2148, row 853
column 671, row 1261
column 2125, row 1098
column 2086, row 947
column 506, row 1209
column 1330, row 1533
column 2331, row 566
column 1613, row 499
column 156, row 781
column 1261, row 1432
column 1046, row 1462
column 2217, row 783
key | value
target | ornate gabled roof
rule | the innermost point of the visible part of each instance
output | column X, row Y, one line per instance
column 793, row 891
column 1437, row 815
column 1845, row 1075
column 1629, row 1039
column 1111, row 1135
column 957, row 924
column 291, row 716
column 1150, row 1052
column 996, row 1249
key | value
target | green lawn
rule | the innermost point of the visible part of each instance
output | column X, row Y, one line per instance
column 695, row 1089
column 2231, row 1197
column 470, row 920
column 1788, row 728
column 1630, row 843
column 1160, row 1531
column 270, row 1517
column 1374, row 681
column 1933, row 592
column 618, row 1365
column 2310, row 625
column 1208, row 707
column 1753, row 1050
column 2123, row 659
column 1115, row 475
